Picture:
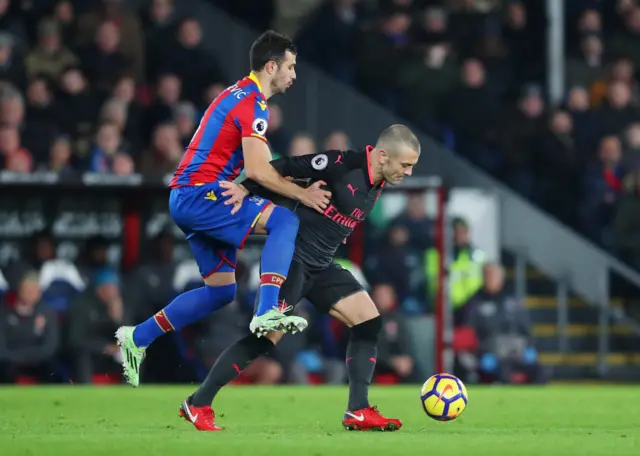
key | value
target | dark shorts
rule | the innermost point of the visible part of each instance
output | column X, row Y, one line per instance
column 323, row 288
column 214, row 234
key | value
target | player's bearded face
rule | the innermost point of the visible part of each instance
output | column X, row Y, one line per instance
column 285, row 74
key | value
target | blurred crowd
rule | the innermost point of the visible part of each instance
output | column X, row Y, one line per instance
column 98, row 86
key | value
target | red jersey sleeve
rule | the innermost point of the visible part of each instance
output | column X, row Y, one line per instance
column 252, row 116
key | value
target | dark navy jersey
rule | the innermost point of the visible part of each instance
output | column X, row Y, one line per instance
column 353, row 195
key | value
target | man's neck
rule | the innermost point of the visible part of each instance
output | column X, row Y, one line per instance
column 376, row 167
column 263, row 84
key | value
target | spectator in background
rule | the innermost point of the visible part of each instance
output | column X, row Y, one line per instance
column 78, row 106
column 94, row 317
column 415, row 220
column 125, row 92
column 627, row 220
column 521, row 129
column 123, row 165
column 158, row 22
column 560, row 169
column 108, row 142
column 396, row 263
column 302, row 144
column 337, row 140
column 42, row 114
column 131, row 41
column 471, row 111
column 582, row 118
column 50, row 57
column 11, row 148
column 102, row 61
column 29, row 335
column 465, row 271
column 602, row 184
column 11, row 65
column 385, row 46
column 60, row 157
column 115, row 111
column 616, row 112
column 13, row 26
column 190, row 61
column 589, row 66
column 503, row 329
column 64, row 14
column 185, row 118
column 165, row 153
column 329, row 36
column 394, row 347
column 168, row 95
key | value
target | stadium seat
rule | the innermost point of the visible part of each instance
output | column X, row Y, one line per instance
column 105, row 379
column 315, row 379
column 464, row 339
column 386, row 379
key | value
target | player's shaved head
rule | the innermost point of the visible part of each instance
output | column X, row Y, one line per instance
column 270, row 46
column 396, row 138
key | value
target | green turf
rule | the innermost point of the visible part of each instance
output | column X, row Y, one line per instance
column 305, row 421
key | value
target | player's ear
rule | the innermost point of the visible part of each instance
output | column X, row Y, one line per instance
column 384, row 156
column 271, row 67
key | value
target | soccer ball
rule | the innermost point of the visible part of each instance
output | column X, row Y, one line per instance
column 444, row 397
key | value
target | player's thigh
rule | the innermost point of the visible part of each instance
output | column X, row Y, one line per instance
column 202, row 210
column 261, row 224
column 216, row 260
column 337, row 292
column 355, row 309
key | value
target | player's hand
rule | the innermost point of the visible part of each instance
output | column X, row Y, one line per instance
column 316, row 198
column 235, row 194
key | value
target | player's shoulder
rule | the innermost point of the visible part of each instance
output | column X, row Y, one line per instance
column 353, row 159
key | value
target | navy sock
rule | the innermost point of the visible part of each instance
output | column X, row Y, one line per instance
column 185, row 309
column 282, row 229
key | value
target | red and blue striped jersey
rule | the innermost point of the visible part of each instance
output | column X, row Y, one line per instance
column 215, row 151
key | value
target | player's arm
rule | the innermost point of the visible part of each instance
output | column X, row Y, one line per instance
column 257, row 156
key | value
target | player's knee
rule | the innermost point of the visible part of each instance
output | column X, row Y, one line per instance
column 367, row 330
column 225, row 293
column 282, row 218
column 269, row 373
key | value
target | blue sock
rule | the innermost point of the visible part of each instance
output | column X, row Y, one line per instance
column 185, row 309
column 282, row 229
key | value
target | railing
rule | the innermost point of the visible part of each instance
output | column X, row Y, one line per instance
column 318, row 105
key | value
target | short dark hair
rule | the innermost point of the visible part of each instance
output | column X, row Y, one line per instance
column 270, row 46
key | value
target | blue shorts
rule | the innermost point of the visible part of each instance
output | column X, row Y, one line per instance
column 213, row 233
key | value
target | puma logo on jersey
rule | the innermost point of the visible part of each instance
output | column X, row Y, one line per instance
column 353, row 190
column 338, row 160
column 211, row 196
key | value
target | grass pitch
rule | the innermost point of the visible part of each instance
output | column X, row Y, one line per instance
column 305, row 421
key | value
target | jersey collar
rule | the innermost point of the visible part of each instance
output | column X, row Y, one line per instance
column 368, row 150
column 255, row 80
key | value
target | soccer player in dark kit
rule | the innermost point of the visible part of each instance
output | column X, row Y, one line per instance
column 356, row 180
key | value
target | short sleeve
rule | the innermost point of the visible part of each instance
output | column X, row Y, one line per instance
column 252, row 116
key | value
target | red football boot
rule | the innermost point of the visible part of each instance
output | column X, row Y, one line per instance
column 369, row 419
column 203, row 418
